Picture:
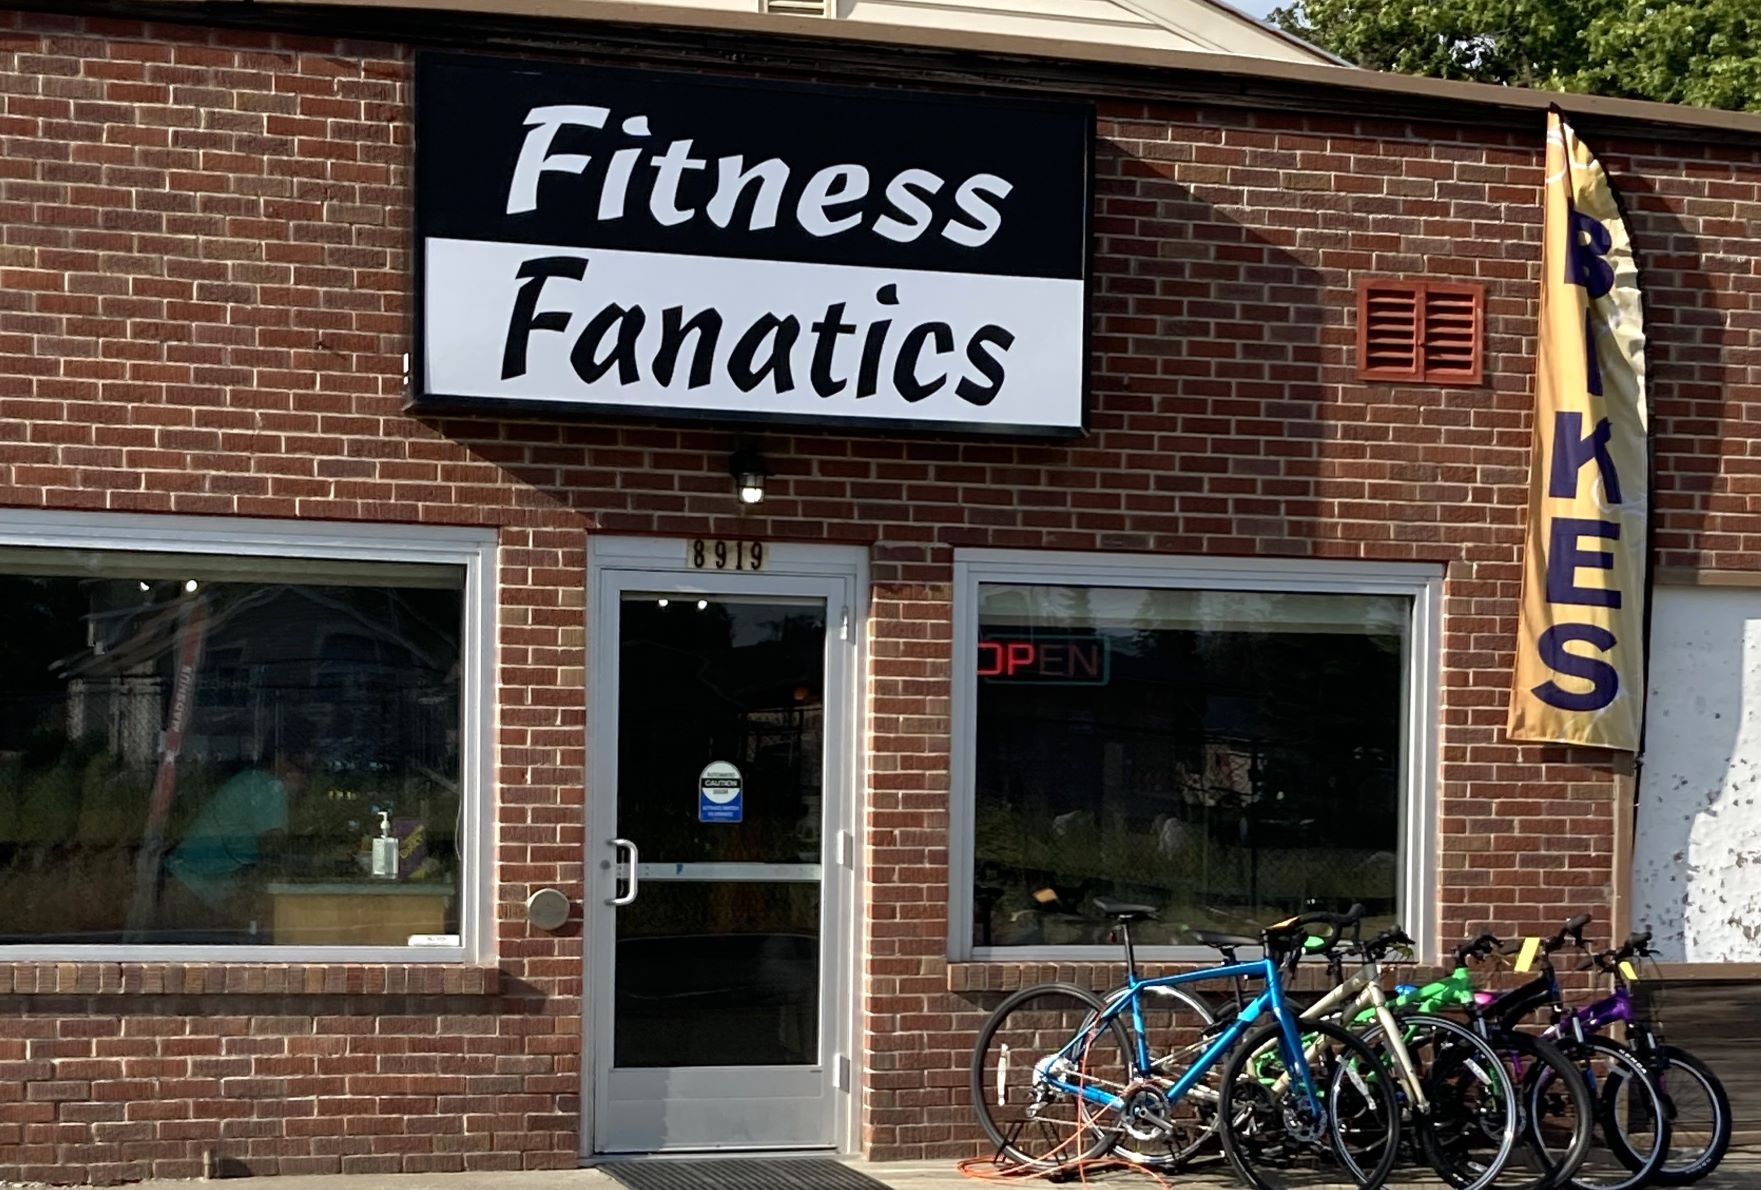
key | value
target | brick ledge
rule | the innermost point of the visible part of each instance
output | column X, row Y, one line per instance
column 1006, row 975
column 97, row 978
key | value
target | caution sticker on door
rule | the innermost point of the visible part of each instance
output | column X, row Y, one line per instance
column 720, row 793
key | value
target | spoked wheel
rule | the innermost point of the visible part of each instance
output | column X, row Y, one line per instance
column 1469, row 1128
column 1557, row 1120
column 1175, row 1032
column 1041, row 1050
column 1277, row 1138
column 1630, row 1116
column 1698, row 1110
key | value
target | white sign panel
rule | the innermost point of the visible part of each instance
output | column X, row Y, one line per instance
column 616, row 242
column 720, row 793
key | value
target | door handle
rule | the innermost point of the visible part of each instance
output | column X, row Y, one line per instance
column 630, row 891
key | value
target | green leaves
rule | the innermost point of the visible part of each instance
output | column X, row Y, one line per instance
column 1705, row 52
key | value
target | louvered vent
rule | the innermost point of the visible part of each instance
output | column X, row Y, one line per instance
column 799, row 8
column 1388, row 343
column 1452, row 333
column 1419, row 331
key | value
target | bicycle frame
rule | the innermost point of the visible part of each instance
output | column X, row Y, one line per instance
column 1359, row 995
column 1597, row 1016
column 1271, row 996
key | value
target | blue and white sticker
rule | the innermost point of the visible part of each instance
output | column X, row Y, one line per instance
column 720, row 793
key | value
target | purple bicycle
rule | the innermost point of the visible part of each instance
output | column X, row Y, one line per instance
column 1694, row 1101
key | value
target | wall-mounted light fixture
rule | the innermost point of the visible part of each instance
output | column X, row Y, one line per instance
column 747, row 467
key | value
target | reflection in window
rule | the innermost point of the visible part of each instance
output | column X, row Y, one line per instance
column 200, row 749
column 1227, row 756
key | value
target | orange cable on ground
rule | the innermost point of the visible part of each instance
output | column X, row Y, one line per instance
column 976, row 1167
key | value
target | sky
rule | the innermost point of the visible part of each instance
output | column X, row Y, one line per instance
column 1258, row 8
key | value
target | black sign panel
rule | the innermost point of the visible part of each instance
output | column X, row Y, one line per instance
column 735, row 249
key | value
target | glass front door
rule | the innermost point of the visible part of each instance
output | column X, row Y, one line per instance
column 716, row 866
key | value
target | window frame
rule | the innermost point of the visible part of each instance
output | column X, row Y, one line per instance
column 472, row 549
column 1421, row 582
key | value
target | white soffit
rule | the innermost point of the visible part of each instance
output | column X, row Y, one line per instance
column 1192, row 26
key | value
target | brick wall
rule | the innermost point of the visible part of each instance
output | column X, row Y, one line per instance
column 204, row 270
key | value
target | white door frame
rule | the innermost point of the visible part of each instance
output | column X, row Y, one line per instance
column 615, row 563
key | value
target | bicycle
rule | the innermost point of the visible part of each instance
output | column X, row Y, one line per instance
column 1464, row 1098
column 1553, row 1101
column 1683, row 1081
column 1462, row 1111
column 1085, row 1082
column 1614, row 1077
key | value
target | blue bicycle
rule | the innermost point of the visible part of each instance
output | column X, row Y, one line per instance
column 1061, row 1076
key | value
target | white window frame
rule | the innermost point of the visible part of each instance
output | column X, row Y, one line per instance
column 473, row 549
column 1420, row 582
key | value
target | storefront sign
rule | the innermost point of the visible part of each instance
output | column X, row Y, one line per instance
column 720, row 793
column 1046, row 660
column 1580, row 675
column 676, row 245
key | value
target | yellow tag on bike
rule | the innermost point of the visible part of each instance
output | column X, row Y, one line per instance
column 1525, row 958
column 1626, row 969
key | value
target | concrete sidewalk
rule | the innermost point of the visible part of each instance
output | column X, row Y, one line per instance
column 1741, row 1171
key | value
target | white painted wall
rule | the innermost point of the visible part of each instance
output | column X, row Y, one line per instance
column 1697, row 844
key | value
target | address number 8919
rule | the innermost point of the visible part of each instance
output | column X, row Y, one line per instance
column 705, row 553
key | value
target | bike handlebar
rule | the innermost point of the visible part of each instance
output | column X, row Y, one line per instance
column 1637, row 946
column 1288, row 936
column 1487, row 943
column 1387, row 940
column 1476, row 948
column 1338, row 921
column 1572, row 931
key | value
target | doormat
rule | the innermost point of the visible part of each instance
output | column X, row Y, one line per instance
column 741, row 1173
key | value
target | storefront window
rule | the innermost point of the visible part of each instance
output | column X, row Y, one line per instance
column 1228, row 756
column 202, row 750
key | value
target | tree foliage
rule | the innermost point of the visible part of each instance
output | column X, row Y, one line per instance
column 1705, row 52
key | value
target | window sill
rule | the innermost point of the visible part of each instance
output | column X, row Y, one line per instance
column 211, row 978
column 1098, row 975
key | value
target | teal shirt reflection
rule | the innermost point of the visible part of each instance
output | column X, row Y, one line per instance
column 222, row 844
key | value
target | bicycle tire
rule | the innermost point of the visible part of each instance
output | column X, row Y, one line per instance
column 1262, row 1132
column 1680, row 1167
column 1620, row 1173
column 1468, row 1053
column 1543, row 1161
column 1068, row 1011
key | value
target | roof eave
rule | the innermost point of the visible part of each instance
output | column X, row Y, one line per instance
column 1249, row 78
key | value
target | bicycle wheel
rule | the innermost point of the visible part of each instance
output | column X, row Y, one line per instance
column 1470, row 1128
column 1555, row 1111
column 1176, row 1030
column 1698, row 1111
column 1699, row 1117
column 1627, row 1104
column 1041, row 1047
column 1274, row 1137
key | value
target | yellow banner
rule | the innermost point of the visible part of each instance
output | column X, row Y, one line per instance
column 1580, row 661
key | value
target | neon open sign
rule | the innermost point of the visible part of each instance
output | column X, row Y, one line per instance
column 1045, row 660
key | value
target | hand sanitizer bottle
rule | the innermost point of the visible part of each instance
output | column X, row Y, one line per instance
column 385, row 850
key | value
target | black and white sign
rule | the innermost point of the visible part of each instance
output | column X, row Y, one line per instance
column 674, row 245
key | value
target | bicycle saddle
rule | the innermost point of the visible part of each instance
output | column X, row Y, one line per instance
column 1123, row 911
column 1223, row 941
